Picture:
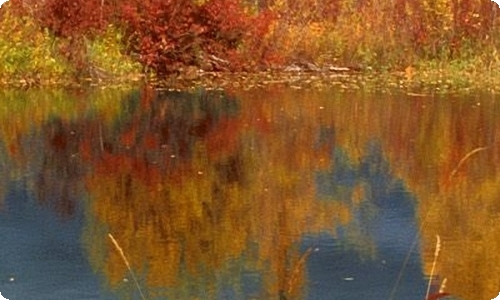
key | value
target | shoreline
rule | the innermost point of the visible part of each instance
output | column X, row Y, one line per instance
column 414, row 82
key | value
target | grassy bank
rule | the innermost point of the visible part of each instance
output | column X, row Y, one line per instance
column 439, row 44
column 31, row 55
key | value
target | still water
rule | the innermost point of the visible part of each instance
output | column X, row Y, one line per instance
column 265, row 194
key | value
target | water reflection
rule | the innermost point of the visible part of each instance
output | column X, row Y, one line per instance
column 276, row 194
column 192, row 186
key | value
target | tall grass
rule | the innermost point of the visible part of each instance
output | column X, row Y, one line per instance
column 390, row 33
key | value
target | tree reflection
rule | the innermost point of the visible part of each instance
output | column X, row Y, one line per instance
column 425, row 140
column 210, row 194
column 203, row 185
column 58, row 183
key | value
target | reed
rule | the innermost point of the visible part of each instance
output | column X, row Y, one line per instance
column 293, row 282
column 120, row 250
column 464, row 159
column 436, row 255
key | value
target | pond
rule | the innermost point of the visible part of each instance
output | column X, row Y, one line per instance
column 264, row 194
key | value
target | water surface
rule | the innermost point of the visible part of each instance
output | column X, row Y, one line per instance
column 265, row 194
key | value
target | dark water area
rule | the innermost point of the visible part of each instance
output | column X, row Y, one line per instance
column 265, row 194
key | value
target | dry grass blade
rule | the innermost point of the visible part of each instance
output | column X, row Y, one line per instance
column 405, row 263
column 294, row 277
column 120, row 250
column 443, row 286
column 436, row 254
column 464, row 159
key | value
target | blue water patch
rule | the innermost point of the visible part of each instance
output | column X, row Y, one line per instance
column 41, row 255
column 380, row 244
column 335, row 272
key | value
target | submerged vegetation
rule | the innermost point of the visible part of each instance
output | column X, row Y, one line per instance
column 443, row 42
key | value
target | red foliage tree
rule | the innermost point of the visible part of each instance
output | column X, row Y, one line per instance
column 168, row 34
column 163, row 32
column 73, row 18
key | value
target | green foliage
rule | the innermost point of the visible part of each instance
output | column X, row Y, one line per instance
column 107, row 52
column 29, row 52
column 26, row 50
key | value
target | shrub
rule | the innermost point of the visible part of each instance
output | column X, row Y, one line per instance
column 163, row 33
column 26, row 51
column 71, row 22
column 169, row 34
column 75, row 18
